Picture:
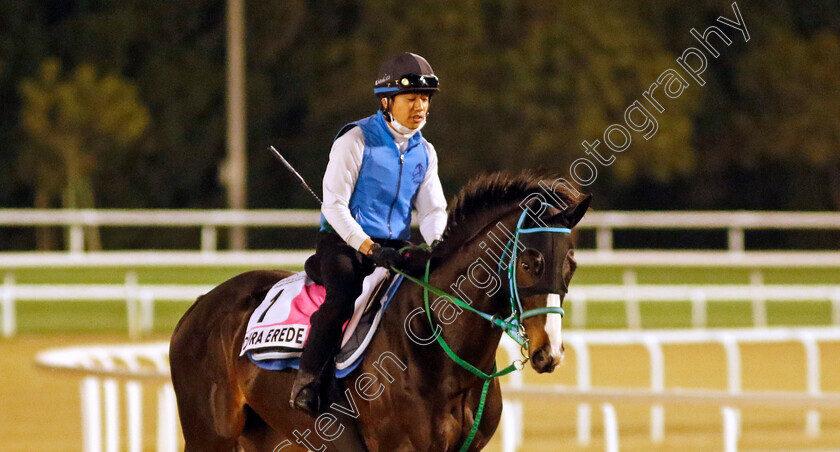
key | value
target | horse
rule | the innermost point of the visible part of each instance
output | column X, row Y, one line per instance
column 408, row 393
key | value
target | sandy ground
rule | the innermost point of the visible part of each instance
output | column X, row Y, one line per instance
column 40, row 410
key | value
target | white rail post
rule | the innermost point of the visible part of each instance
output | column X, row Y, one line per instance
column 759, row 302
column 512, row 417
column 147, row 310
column 578, row 299
column 736, row 240
column 519, row 414
column 657, row 384
column 91, row 415
column 112, row 410
column 584, row 382
column 167, row 439
column 733, row 371
column 77, row 239
column 134, row 406
column 730, row 429
column 168, row 427
column 610, row 428
column 512, row 414
column 603, row 239
column 508, row 427
column 209, row 239
column 131, row 305
column 634, row 312
column 9, row 311
column 133, row 403
column 699, row 316
column 812, row 361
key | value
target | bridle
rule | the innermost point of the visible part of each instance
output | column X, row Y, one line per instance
column 511, row 325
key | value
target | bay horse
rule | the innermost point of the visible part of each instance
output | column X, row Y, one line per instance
column 407, row 394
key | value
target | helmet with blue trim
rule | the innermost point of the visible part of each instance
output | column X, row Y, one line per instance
column 405, row 73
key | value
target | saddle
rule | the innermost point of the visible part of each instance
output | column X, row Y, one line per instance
column 278, row 328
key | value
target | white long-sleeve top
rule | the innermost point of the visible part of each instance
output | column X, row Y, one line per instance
column 340, row 180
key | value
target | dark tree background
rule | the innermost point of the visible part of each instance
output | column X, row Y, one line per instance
column 522, row 84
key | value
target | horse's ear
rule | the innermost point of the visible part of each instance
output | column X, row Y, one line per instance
column 573, row 214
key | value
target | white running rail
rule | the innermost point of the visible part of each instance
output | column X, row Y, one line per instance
column 653, row 341
column 107, row 371
column 140, row 299
column 735, row 223
column 757, row 293
column 296, row 258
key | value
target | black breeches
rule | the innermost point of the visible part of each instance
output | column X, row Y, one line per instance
column 342, row 270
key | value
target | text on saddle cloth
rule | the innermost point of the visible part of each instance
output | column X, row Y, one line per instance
column 282, row 319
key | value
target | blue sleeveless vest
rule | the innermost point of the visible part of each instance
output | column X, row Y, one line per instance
column 388, row 180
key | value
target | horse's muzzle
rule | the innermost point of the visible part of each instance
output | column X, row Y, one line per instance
column 543, row 361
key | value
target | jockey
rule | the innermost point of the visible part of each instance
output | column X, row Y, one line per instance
column 380, row 168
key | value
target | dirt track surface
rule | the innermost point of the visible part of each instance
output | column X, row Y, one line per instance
column 41, row 410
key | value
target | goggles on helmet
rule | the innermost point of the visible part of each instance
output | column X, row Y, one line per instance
column 409, row 82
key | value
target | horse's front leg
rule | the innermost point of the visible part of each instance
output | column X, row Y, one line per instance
column 492, row 415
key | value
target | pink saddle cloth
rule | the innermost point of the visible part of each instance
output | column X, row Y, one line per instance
column 281, row 323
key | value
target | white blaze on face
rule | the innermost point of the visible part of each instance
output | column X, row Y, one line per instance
column 554, row 327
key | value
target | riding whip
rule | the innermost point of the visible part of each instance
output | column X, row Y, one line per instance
column 289, row 166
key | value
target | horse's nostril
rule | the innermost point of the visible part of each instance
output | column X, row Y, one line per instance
column 541, row 360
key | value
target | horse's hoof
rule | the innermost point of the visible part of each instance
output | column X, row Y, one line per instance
column 307, row 401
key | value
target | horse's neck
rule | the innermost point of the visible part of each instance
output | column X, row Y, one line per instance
column 466, row 275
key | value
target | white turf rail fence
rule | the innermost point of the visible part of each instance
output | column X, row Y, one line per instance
column 114, row 378
column 735, row 223
column 140, row 299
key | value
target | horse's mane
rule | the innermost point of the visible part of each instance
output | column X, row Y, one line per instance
column 486, row 197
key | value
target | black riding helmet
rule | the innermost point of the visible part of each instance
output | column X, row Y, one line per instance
column 405, row 73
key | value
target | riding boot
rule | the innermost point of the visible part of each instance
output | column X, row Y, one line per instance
column 305, row 393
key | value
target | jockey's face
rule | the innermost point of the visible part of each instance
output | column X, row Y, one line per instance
column 409, row 109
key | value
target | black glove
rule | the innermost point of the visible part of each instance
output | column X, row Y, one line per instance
column 415, row 258
column 384, row 256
